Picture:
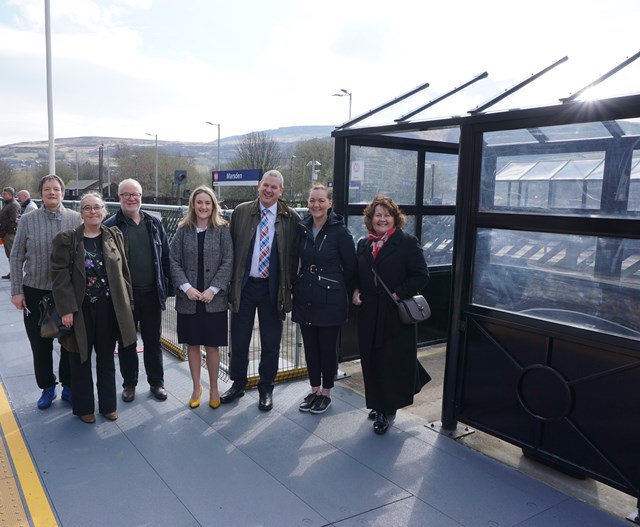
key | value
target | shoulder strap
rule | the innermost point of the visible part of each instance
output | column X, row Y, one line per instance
column 383, row 284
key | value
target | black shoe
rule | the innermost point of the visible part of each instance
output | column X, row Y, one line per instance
column 381, row 423
column 233, row 393
column 372, row 414
column 7, row 276
column 321, row 404
column 308, row 401
column 159, row 392
column 266, row 402
column 128, row 394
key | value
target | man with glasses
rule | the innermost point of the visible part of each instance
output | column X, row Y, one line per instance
column 148, row 258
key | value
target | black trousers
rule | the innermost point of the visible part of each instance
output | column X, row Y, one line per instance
column 41, row 348
column 255, row 296
column 102, row 331
column 148, row 314
column 321, row 353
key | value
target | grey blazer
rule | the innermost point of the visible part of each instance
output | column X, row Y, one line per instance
column 218, row 264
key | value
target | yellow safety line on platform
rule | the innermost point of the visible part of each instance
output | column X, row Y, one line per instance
column 34, row 495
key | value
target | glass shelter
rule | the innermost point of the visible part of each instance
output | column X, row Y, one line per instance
column 529, row 218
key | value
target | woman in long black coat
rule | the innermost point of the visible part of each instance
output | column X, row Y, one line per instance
column 321, row 295
column 388, row 348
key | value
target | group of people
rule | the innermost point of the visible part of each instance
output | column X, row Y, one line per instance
column 108, row 277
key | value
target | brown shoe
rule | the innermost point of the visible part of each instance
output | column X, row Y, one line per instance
column 128, row 394
column 88, row 418
column 112, row 416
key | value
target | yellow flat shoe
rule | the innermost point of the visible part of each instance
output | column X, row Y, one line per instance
column 214, row 404
column 194, row 403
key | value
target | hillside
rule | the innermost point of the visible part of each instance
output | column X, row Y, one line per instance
column 23, row 155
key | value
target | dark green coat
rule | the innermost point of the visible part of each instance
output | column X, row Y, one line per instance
column 68, row 292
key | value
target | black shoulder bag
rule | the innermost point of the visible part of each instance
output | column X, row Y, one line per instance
column 412, row 310
column 51, row 326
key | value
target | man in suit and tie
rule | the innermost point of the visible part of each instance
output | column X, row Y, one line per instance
column 265, row 241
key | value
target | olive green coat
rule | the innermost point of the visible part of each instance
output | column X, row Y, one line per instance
column 68, row 291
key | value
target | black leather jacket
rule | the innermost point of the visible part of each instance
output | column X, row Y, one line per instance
column 160, row 244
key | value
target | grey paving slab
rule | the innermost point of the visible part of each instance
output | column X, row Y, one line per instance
column 573, row 512
column 304, row 463
column 212, row 477
column 409, row 512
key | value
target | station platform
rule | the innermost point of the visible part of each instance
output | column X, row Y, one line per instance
column 162, row 464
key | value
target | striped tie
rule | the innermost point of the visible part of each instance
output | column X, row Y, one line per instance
column 263, row 258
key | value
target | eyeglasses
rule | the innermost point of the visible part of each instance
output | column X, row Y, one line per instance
column 95, row 208
column 127, row 195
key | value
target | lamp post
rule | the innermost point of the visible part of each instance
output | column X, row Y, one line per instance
column 218, row 167
column 156, row 136
column 293, row 195
column 345, row 93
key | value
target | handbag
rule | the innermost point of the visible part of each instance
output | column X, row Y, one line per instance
column 412, row 310
column 51, row 326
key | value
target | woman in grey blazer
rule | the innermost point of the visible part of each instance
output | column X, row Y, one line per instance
column 201, row 263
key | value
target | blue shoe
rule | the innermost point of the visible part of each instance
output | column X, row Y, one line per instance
column 66, row 394
column 47, row 397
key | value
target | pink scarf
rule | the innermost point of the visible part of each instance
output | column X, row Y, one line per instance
column 378, row 241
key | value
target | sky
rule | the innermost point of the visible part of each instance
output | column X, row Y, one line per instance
column 127, row 68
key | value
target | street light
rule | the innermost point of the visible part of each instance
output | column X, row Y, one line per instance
column 218, row 125
column 156, row 136
column 345, row 93
column 293, row 196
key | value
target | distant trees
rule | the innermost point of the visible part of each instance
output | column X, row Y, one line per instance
column 6, row 175
column 257, row 150
column 299, row 170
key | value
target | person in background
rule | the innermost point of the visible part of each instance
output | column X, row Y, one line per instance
column 8, row 221
column 96, row 301
column 26, row 203
column 321, row 295
column 201, row 264
column 388, row 348
column 265, row 244
column 148, row 258
column 31, row 280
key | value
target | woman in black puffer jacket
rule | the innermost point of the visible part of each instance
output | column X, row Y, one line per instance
column 321, row 294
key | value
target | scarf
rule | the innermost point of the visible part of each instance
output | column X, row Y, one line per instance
column 377, row 241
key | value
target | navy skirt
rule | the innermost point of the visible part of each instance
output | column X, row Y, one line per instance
column 204, row 329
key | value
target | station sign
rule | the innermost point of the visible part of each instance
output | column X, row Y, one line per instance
column 237, row 178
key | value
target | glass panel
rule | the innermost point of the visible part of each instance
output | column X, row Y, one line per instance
column 584, row 281
column 437, row 239
column 440, row 178
column 634, row 187
column 572, row 159
column 382, row 171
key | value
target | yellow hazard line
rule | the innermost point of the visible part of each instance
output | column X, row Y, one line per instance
column 32, row 490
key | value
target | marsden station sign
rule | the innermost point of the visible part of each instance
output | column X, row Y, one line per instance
column 236, row 178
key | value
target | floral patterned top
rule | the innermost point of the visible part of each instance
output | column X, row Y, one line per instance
column 97, row 283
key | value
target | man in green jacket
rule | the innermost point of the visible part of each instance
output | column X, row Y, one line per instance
column 265, row 242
